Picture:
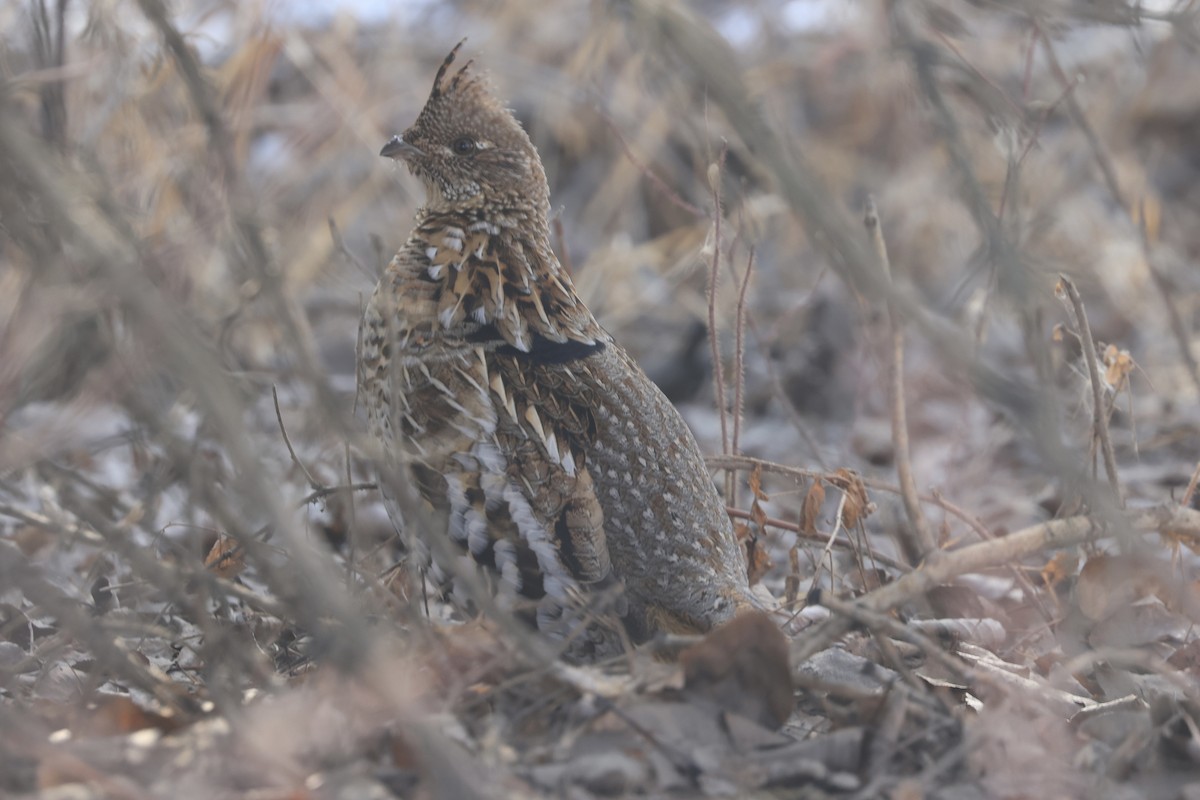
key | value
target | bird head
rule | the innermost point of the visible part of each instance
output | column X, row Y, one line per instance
column 468, row 149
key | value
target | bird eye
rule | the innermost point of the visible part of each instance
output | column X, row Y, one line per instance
column 464, row 146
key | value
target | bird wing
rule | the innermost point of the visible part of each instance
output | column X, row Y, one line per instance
column 544, row 429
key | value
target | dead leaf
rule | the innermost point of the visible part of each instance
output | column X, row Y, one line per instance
column 1059, row 568
column 858, row 505
column 1118, row 364
column 742, row 666
column 227, row 558
column 1107, row 583
column 758, row 560
column 757, row 513
column 813, row 501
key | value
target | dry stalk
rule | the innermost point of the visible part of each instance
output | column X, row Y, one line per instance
column 748, row 462
column 714, row 339
column 739, row 352
column 917, row 541
column 312, row 482
column 560, row 236
column 1099, row 417
column 268, row 279
column 791, row 527
column 827, row 551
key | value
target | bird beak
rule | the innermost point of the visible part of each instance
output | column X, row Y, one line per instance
column 398, row 148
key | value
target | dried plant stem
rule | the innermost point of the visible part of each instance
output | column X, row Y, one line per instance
column 739, row 352
column 1130, row 702
column 827, row 551
column 791, row 527
column 1099, row 154
column 1099, row 417
column 747, row 462
column 714, row 341
column 313, row 482
column 918, row 541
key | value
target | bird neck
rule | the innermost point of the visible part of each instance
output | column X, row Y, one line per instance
column 512, row 218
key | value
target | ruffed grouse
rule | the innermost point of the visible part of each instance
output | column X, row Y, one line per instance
column 541, row 446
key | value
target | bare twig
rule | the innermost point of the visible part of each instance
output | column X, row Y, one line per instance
column 1099, row 417
column 747, row 462
column 919, row 543
column 827, row 552
column 791, row 527
column 714, row 182
column 201, row 93
column 339, row 244
column 1099, row 154
column 739, row 352
column 313, row 482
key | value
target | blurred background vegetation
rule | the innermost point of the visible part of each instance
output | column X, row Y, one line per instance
column 192, row 210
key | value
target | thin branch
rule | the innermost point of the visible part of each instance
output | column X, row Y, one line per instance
column 313, row 482
column 1099, row 418
column 739, row 353
column 919, row 543
column 791, row 527
column 881, row 623
column 714, row 181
